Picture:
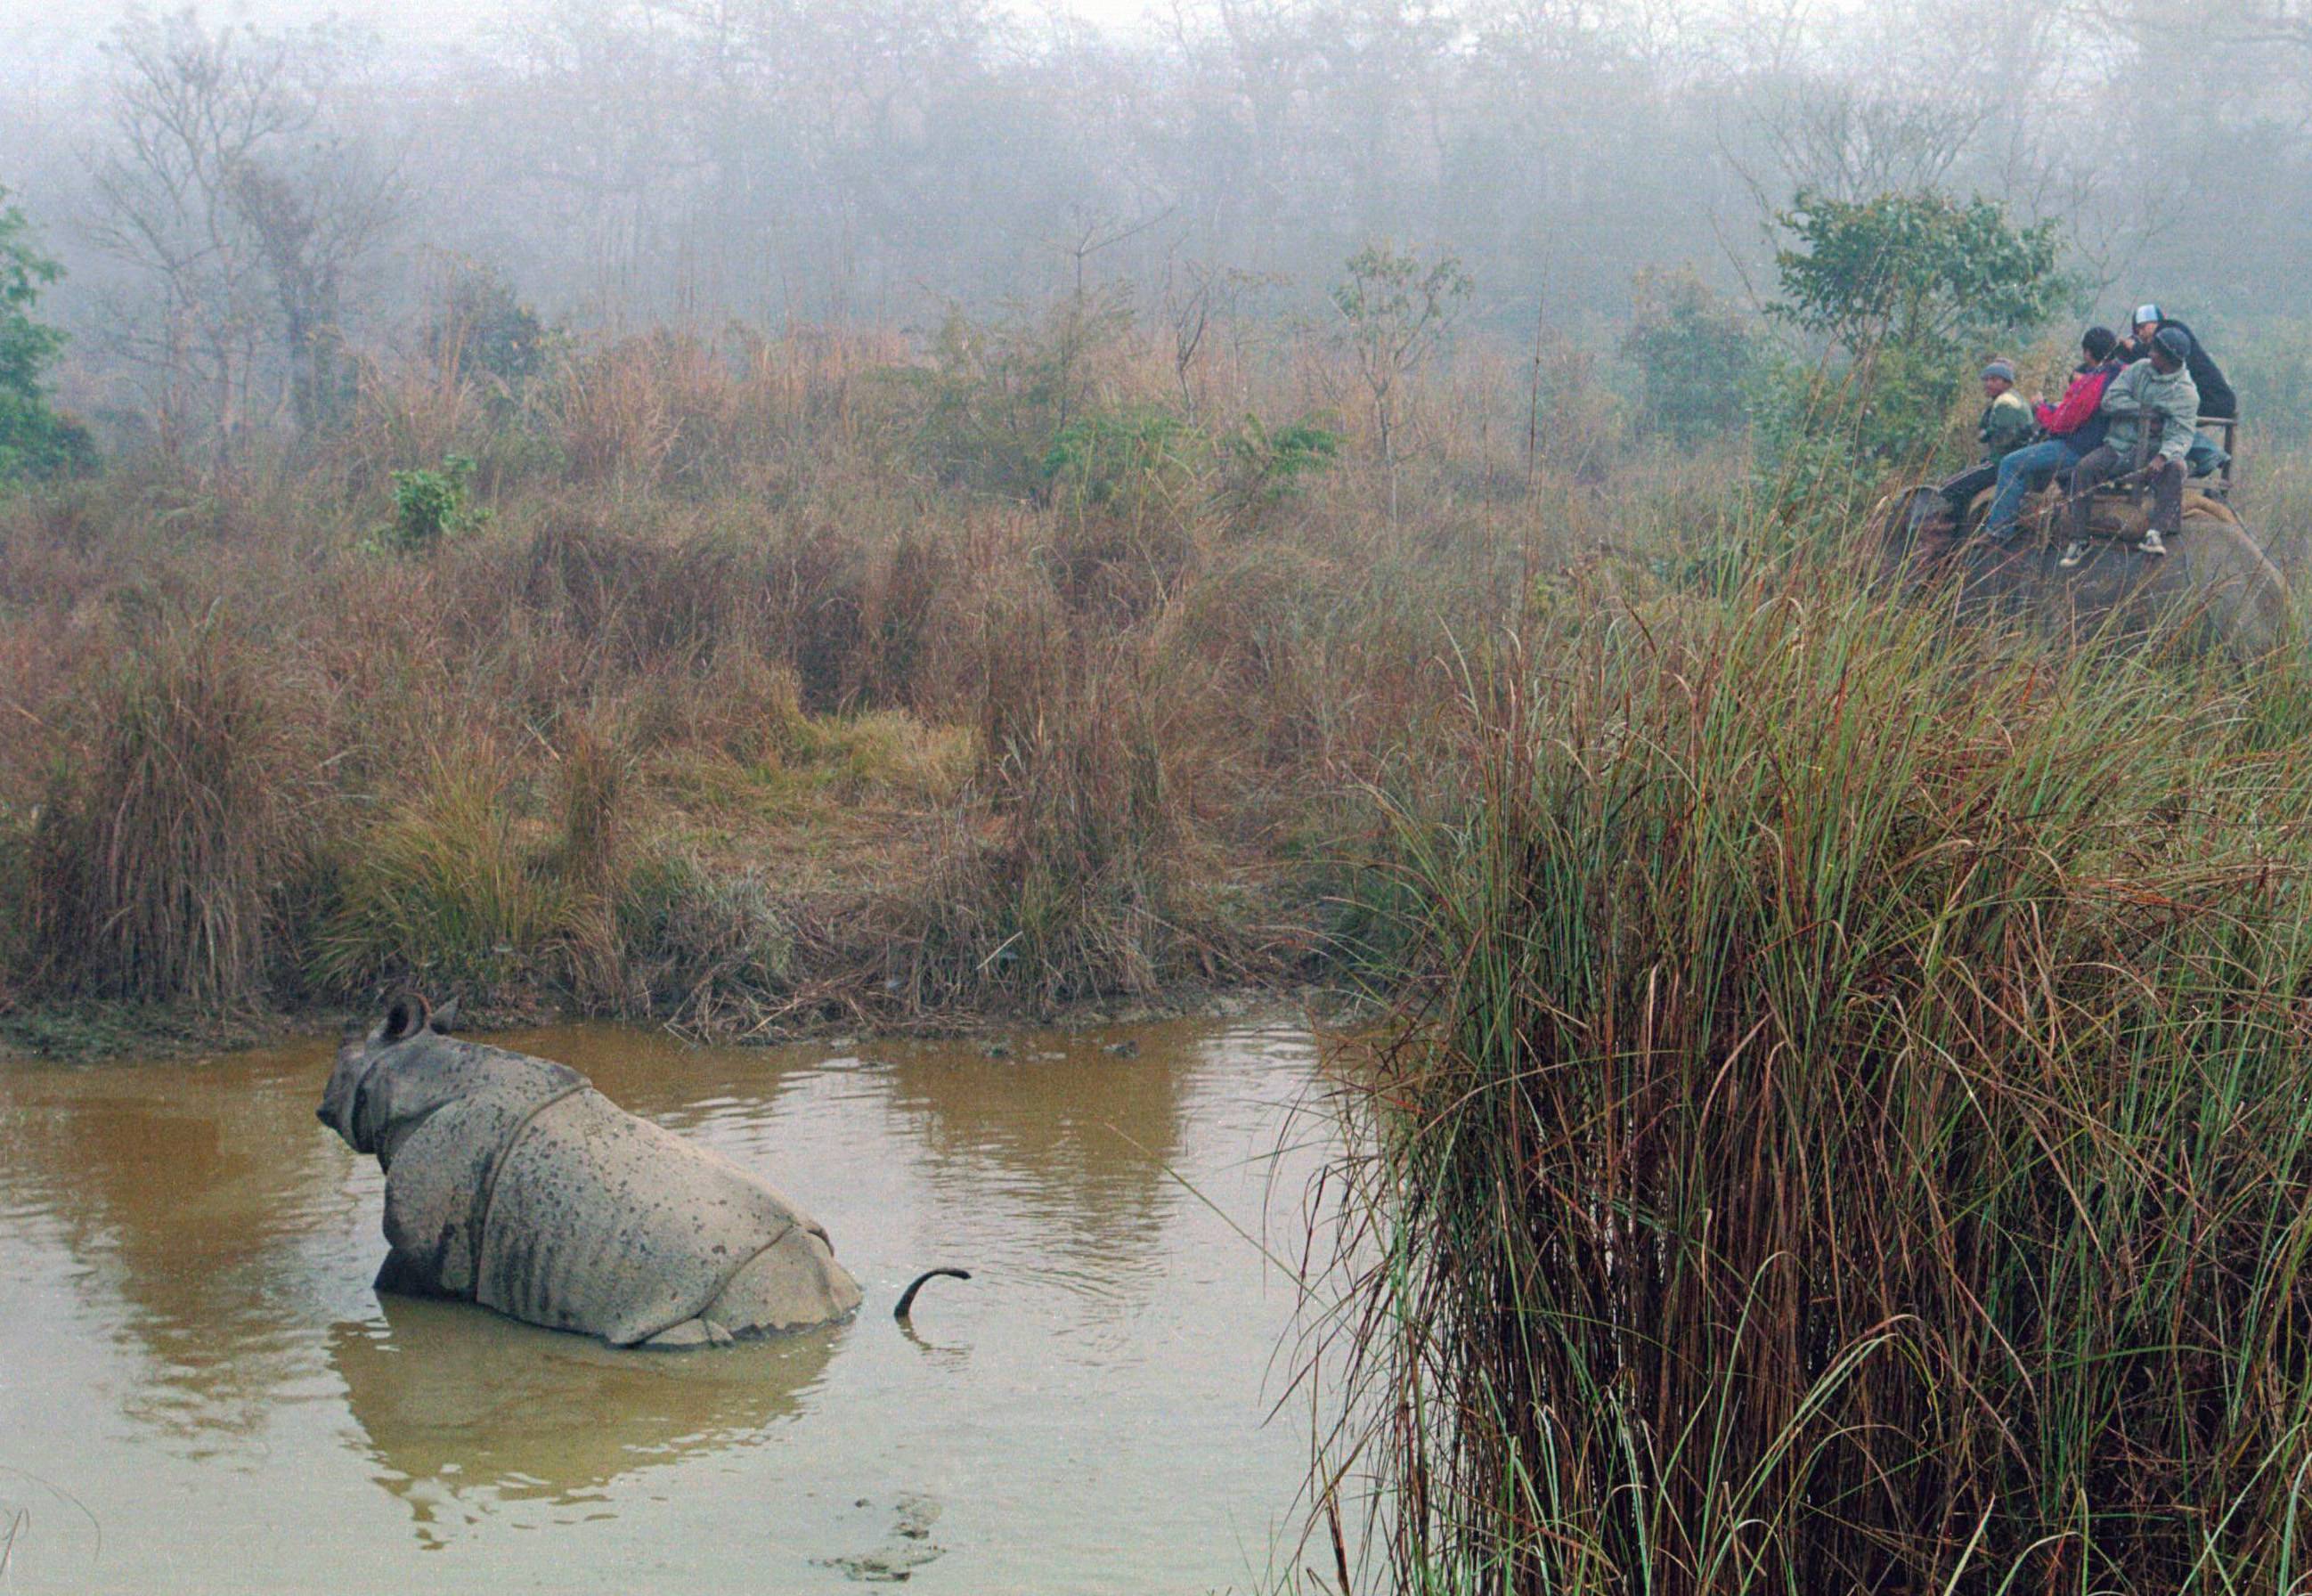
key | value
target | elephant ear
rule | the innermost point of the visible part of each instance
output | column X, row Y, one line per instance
column 404, row 1019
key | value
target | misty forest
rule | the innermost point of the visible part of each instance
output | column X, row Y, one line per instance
column 1557, row 542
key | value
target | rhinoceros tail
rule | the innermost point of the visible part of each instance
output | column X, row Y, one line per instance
column 907, row 1297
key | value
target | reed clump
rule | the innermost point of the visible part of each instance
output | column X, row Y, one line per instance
column 166, row 831
column 444, row 888
column 1096, row 866
column 709, row 951
column 1851, row 1133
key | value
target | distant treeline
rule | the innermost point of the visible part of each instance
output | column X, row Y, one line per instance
column 236, row 207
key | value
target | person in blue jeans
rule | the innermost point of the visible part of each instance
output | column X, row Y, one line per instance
column 2073, row 424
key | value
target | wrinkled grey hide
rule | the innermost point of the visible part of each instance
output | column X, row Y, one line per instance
column 2215, row 576
column 510, row 1181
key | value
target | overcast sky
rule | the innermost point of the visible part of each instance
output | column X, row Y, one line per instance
column 41, row 39
column 44, row 42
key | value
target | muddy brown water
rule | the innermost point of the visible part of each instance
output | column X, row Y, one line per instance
column 200, row 1392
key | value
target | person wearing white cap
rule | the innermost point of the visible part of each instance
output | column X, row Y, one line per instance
column 2216, row 395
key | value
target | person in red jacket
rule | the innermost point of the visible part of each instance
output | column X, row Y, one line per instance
column 2074, row 424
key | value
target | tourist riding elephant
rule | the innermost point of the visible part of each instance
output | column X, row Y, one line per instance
column 510, row 1181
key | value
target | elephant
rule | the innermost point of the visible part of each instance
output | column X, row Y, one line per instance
column 510, row 1182
column 2215, row 575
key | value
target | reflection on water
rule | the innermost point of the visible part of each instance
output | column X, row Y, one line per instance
column 463, row 1409
column 190, row 1346
column 185, row 1210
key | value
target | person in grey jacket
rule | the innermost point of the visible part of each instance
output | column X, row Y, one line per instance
column 2154, row 396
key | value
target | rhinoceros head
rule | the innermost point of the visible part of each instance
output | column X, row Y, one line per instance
column 345, row 1106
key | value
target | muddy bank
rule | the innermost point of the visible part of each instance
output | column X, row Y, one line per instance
column 91, row 1033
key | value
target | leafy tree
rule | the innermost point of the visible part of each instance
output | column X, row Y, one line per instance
column 1916, row 270
column 34, row 440
column 1908, row 287
column 484, row 326
column 1395, row 307
column 1695, row 355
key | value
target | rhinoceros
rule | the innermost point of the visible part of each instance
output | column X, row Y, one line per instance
column 510, row 1181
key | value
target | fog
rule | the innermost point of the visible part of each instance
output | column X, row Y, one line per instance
column 616, row 163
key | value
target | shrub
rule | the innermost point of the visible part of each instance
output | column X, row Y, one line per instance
column 1134, row 463
column 1695, row 355
column 429, row 506
column 1267, row 465
column 988, row 410
column 483, row 326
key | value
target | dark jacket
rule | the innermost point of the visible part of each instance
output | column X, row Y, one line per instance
column 2216, row 395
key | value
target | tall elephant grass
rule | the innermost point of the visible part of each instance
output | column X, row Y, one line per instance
column 1854, row 1134
column 826, row 678
column 155, row 866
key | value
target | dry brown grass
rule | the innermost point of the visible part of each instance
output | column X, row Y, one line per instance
column 747, row 604
column 165, row 835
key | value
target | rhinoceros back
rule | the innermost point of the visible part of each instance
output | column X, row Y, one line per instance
column 599, row 1221
column 438, row 1162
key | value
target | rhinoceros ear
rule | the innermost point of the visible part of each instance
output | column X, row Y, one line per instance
column 445, row 1018
column 404, row 1018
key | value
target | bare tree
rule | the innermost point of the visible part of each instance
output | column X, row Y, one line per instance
column 1848, row 141
column 240, row 210
column 628, row 160
column 314, row 215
